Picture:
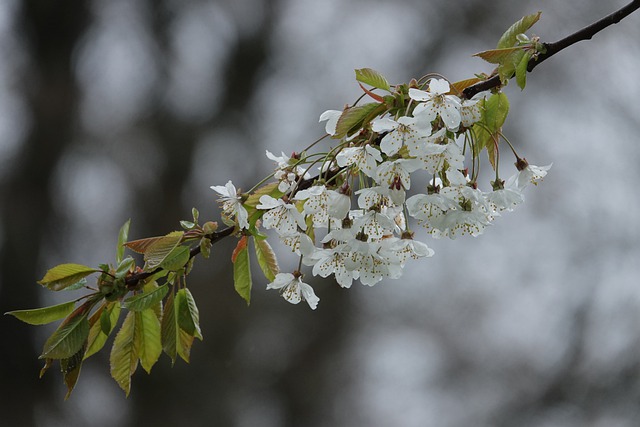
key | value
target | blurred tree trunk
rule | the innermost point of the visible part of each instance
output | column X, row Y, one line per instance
column 51, row 30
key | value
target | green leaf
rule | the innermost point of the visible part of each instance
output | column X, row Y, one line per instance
column 184, row 344
column 146, row 300
column 195, row 214
column 148, row 335
column 372, row 78
column 123, row 235
column 69, row 337
column 157, row 307
column 521, row 70
column 105, row 322
column 125, row 353
column 124, row 267
column 78, row 285
column 97, row 333
column 65, row 275
column 175, row 340
column 488, row 129
column 44, row 315
column 169, row 328
column 507, row 69
column 70, row 368
column 242, row 270
column 159, row 249
column 176, row 259
column 266, row 258
column 187, row 312
column 509, row 38
column 353, row 118
column 496, row 110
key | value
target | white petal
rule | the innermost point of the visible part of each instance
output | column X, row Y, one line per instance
column 309, row 295
column 220, row 189
column 242, row 216
column 439, row 86
column 268, row 202
column 281, row 280
column 231, row 189
column 384, row 124
column 419, row 95
column 332, row 117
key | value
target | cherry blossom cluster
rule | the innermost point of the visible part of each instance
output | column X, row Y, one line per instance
column 352, row 221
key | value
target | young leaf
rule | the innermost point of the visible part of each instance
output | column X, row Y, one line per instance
column 176, row 259
column 187, row 312
column 125, row 353
column 266, row 258
column 97, row 334
column 169, row 329
column 146, row 300
column 187, row 225
column 459, row 86
column 372, row 78
column 65, row 275
column 124, row 266
column 148, row 336
column 509, row 38
column 42, row 316
column 353, row 118
column 521, row 70
column 142, row 245
column 497, row 56
column 70, row 335
column 123, row 235
column 242, row 270
column 205, row 247
column 156, row 253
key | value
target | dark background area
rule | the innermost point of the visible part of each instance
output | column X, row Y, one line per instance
column 117, row 109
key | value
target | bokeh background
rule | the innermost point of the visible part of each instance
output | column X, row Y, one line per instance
column 117, row 109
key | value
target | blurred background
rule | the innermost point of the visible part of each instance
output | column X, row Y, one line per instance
column 117, row 109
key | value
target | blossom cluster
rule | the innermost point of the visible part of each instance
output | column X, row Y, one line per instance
column 352, row 221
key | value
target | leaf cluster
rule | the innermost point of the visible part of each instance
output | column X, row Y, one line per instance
column 514, row 51
column 162, row 314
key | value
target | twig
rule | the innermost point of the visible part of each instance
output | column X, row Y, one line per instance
column 585, row 33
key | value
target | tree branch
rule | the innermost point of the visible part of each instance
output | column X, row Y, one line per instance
column 585, row 33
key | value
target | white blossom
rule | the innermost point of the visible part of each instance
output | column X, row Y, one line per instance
column 232, row 203
column 437, row 103
column 281, row 216
column 531, row 174
column 365, row 158
column 294, row 290
column 406, row 130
